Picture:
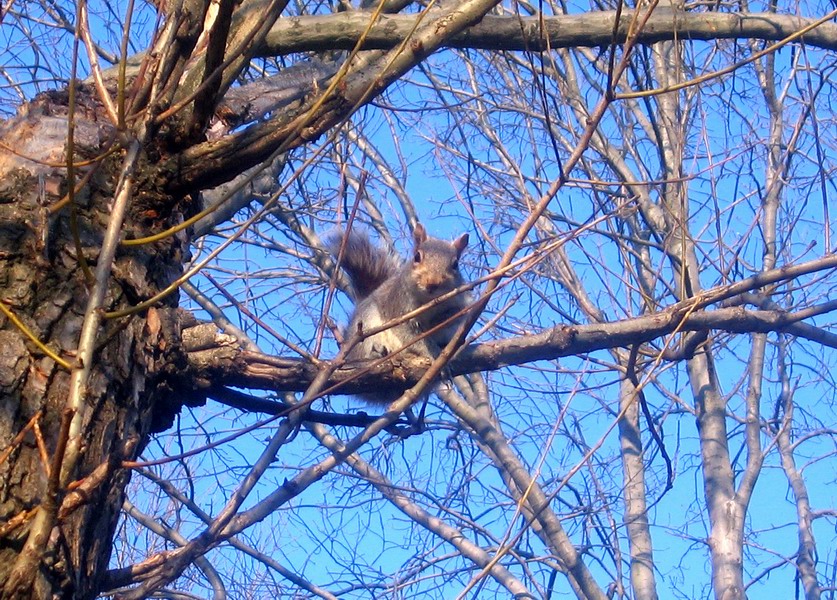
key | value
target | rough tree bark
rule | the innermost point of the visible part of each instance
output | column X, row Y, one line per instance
column 46, row 289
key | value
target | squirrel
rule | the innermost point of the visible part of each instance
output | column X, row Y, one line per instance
column 385, row 287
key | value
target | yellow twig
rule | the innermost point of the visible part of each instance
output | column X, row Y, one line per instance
column 28, row 333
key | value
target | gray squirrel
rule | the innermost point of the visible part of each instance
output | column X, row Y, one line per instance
column 385, row 287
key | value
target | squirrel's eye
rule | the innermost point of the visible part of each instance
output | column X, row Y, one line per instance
column 454, row 265
column 417, row 256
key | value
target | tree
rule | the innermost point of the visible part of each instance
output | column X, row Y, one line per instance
column 646, row 383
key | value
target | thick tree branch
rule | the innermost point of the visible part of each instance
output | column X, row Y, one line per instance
column 342, row 30
column 223, row 364
column 213, row 163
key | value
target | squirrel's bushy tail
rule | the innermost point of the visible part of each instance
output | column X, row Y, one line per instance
column 366, row 265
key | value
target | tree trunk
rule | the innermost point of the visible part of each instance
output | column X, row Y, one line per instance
column 43, row 285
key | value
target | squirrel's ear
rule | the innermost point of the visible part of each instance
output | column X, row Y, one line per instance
column 460, row 243
column 419, row 234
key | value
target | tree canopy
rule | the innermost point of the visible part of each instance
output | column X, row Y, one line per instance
column 641, row 404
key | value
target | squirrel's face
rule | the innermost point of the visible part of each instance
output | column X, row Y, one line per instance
column 435, row 286
column 434, row 276
column 435, row 265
